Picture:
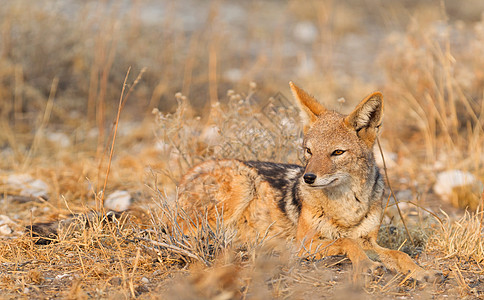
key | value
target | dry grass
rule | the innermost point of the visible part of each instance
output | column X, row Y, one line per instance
column 62, row 66
column 459, row 239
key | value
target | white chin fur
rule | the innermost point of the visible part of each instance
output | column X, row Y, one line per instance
column 322, row 184
column 329, row 182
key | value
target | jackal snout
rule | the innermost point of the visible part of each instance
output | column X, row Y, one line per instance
column 309, row 178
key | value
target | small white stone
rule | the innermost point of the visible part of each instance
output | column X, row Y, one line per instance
column 18, row 179
column 5, row 220
column 60, row 276
column 36, row 188
column 6, row 225
column 448, row 180
column 145, row 280
column 118, row 201
column 233, row 75
column 27, row 185
column 59, row 138
column 306, row 31
column 5, row 230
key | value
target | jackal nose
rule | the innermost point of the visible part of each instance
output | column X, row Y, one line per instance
column 309, row 178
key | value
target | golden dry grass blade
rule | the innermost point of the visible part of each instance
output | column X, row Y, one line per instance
column 392, row 193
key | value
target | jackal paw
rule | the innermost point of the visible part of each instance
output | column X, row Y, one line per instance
column 431, row 276
column 371, row 267
column 367, row 270
column 377, row 269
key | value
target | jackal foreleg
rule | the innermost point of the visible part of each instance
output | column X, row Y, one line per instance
column 398, row 260
column 342, row 246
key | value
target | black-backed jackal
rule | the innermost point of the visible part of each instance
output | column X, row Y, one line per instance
column 331, row 206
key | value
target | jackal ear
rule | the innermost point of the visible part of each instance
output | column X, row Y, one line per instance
column 366, row 117
column 310, row 107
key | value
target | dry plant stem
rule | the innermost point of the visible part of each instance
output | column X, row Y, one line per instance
column 336, row 263
column 31, row 233
column 390, row 283
column 189, row 64
column 405, row 278
column 462, row 238
column 428, row 211
column 212, row 72
column 45, row 120
column 131, row 88
column 131, row 284
column 122, row 102
column 120, row 255
column 100, row 202
column 110, row 43
column 393, row 194
column 175, row 249
column 10, row 136
column 84, row 272
column 482, row 214
column 18, row 100
column 460, row 278
column 212, row 55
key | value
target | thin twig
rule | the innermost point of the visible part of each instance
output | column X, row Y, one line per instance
column 392, row 193
column 429, row 211
column 43, row 124
column 122, row 102
column 174, row 248
column 101, row 200
column 135, row 266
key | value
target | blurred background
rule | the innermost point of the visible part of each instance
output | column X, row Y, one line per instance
column 204, row 48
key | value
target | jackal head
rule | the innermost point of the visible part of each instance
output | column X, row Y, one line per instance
column 338, row 148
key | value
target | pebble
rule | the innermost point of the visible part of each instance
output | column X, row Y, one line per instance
column 5, row 229
column 306, row 32
column 460, row 188
column 118, row 201
column 59, row 138
column 27, row 185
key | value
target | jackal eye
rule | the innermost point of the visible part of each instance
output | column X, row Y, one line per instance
column 308, row 151
column 337, row 152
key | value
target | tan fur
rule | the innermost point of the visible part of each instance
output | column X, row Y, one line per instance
column 332, row 206
column 227, row 186
column 310, row 107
